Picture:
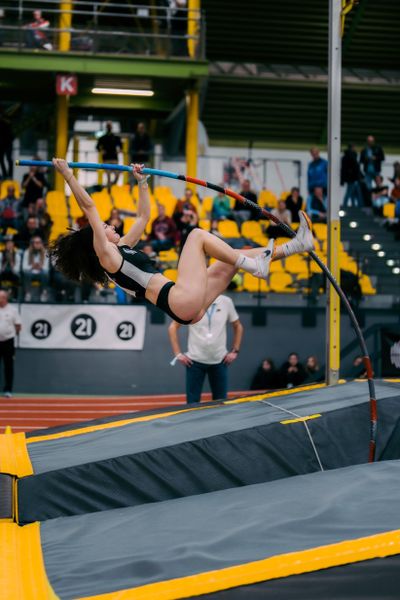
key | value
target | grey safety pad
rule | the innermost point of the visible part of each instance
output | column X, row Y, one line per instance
column 196, row 424
column 126, row 548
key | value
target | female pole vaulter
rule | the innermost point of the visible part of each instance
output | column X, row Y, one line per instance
column 97, row 253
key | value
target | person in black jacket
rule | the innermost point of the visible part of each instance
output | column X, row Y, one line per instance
column 292, row 371
column 294, row 203
column 266, row 377
column 371, row 159
column 351, row 175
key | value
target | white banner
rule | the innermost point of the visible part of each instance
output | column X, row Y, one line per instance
column 87, row 326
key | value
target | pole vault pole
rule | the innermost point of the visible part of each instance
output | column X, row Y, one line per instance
column 333, row 201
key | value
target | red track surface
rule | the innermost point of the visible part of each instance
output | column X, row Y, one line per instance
column 26, row 413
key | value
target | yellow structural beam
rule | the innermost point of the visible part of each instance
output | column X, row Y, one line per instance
column 62, row 136
column 193, row 26
column 192, row 132
column 334, row 300
column 64, row 39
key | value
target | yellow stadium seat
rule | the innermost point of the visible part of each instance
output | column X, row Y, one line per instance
column 168, row 255
column 267, row 198
column 320, row 231
column 74, row 209
column 59, row 227
column 169, row 203
column 285, row 194
column 4, row 185
column 228, row 229
column 205, row 224
column 251, row 229
column 103, row 204
column 366, row 286
column 171, row 274
column 128, row 222
column 206, row 207
column 295, row 264
column 389, row 210
column 57, row 204
column 254, row 284
column 261, row 239
column 122, row 198
column 281, row 283
column 276, row 265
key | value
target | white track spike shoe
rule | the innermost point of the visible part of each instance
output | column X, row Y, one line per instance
column 263, row 261
column 304, row 241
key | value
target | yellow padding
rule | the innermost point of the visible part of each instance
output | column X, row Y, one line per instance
column 305, row 388
column 22, row 572
column 113, row 425
column 300, row 419
column 284, row 565
column 14, row 457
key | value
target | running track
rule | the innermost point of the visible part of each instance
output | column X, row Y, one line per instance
column 29, row 412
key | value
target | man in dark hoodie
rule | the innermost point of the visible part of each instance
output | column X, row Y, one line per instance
column 350, row 175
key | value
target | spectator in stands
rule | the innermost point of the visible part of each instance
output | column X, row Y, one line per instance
column 44, row 218
column 395, row 193
column 10, row 326
column 34, row 184
column 379, row 195
column 357, row 369
column 240, row 212
column 116, row 221
column 29, row 230
column 396, row 171
column 141, row 145
column 189, row 221
column 10, row 211
column 179, row 27
column 313, row 370
column 350, row 175
column 294, row 203
column 284, row 215
column 64, row 288
column 6, row 142
column 207, row 351
column 109, row 145
column 317, row 173
column 316, row 206
column 35, row 32
column 221, row 207
column 266, row 377
column 186, row 203
column 292, row 371
column 35, row 268
column 163, row 231
column 371, row 159
column 10, row 266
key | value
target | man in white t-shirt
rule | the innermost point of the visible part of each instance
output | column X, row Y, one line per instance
column 207, row 351
column 10, row 325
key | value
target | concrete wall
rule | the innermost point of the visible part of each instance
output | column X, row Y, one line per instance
column 149, row 371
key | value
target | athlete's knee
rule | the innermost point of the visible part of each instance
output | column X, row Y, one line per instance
column 197, row 234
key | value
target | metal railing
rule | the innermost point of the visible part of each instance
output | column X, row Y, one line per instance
column 102, row 28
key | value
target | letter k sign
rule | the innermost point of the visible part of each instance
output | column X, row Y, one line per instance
column 66, row 85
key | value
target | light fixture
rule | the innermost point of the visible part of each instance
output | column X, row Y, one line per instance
column 342, row 213
column 367, row 237
column 396, row 270
column 381, row 253
column 353, row 224
column 109, row 91
column 376, row 246
column 390, row 262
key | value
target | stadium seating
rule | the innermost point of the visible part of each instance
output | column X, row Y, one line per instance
column 389, row 210
column 253, row 284
column 228, row 229
column 281, row 282
column 267, row 198
column 4, row 185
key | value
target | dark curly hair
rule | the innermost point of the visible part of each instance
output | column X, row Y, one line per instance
column 73, row 254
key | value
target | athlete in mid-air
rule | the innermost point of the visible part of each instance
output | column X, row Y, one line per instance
column 98, row 254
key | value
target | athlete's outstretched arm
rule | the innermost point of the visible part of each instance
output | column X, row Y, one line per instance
column 132, row 237
column 101, row 244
